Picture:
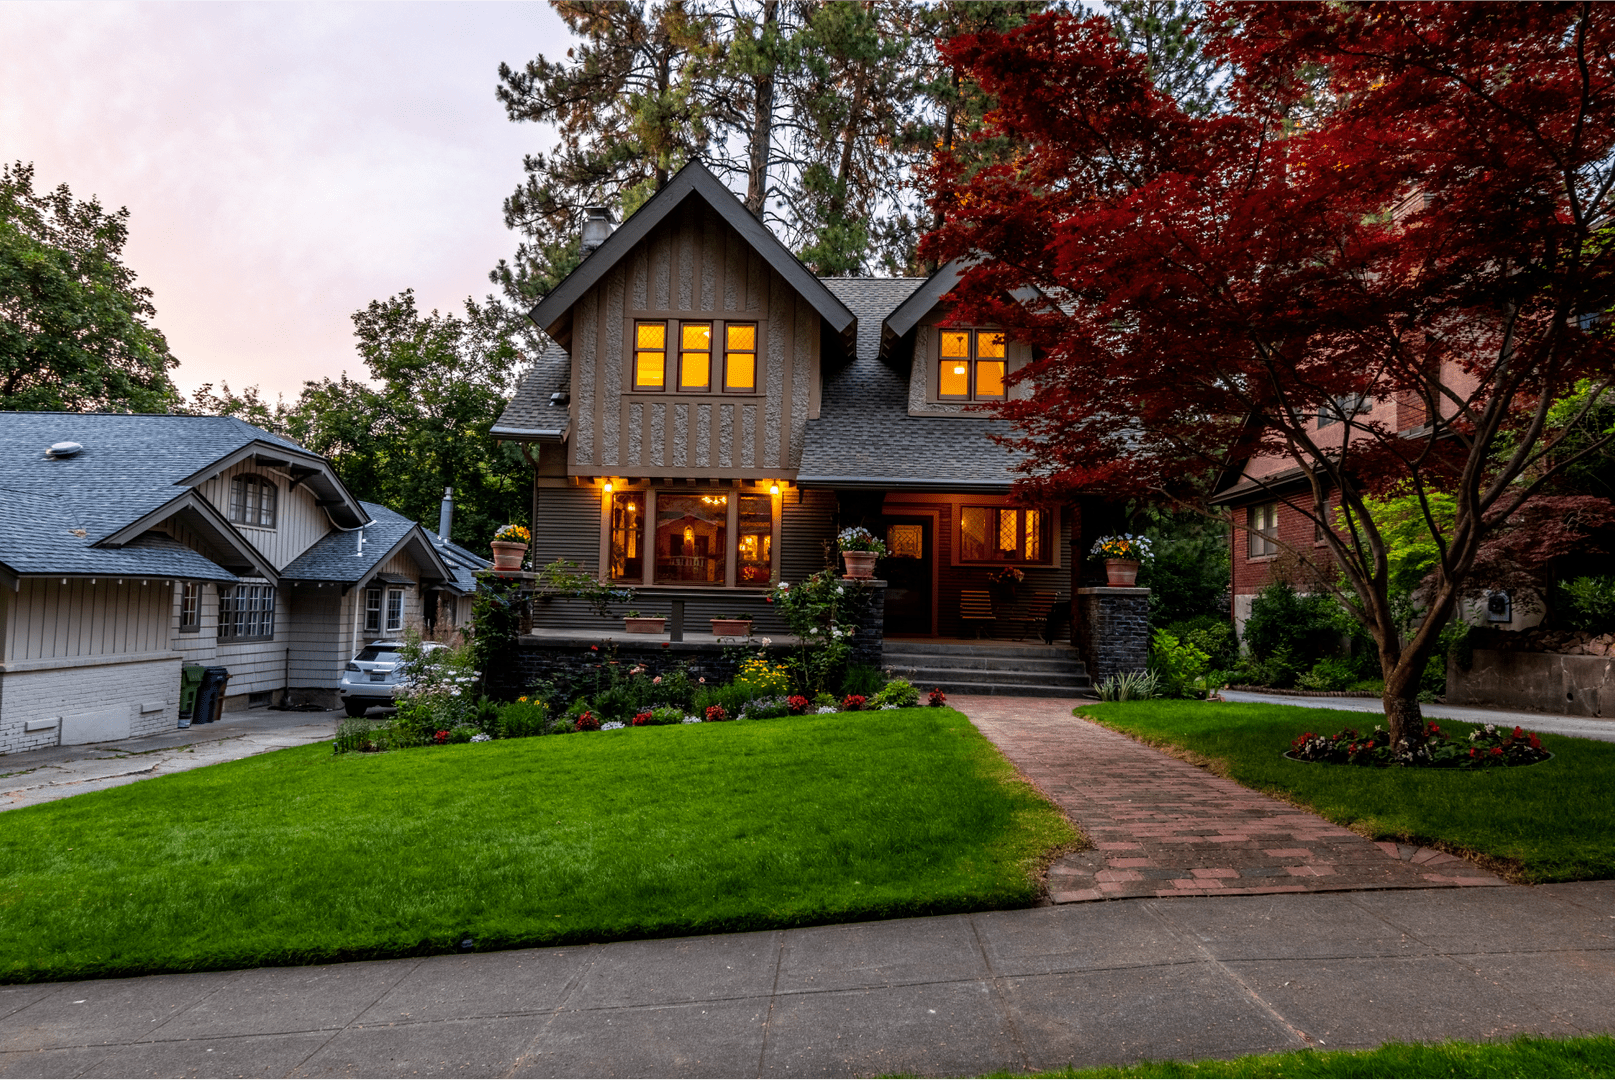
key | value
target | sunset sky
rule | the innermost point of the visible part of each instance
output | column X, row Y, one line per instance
column 284, row 164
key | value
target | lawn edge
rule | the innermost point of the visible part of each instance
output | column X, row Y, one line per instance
column 1511, row 870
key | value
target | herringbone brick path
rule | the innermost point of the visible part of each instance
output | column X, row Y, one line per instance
column 1163, row 827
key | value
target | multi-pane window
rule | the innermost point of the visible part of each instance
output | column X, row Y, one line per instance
column 246, row 612
column 252, row 501
column 372, row 611
column 395, row 610
column 190, row 607
column 695, row 357
column 1340, row 408
column 692, row 533
column 754, row 548
column 1003, row 534
column 650, row 356
column 740, row 357
column 972, row 366
column 1263, row 526
column 628, row 536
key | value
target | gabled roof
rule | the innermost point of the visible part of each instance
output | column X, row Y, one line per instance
column 529, row 414
column 463, row 562
column 339, row 557
column 907, row 315
column 89, row 514
column 553, row 314
column 865, row 437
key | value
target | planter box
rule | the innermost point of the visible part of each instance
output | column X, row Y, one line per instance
column 644, row 626
column 731, row 627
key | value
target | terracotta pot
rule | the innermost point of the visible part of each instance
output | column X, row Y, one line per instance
column 731, row 627
column 643, row 626
column 508, row 556
column 1122, row 573
column 860, row 564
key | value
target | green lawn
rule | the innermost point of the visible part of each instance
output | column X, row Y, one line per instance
column 302, row 856
column 1549, row 822
column 1525, row 1056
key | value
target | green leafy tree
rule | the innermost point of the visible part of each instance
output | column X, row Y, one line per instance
column 75, row 330
column 1167, row 34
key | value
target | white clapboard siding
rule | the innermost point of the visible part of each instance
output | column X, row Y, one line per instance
column 299, row 521
column 47, row 619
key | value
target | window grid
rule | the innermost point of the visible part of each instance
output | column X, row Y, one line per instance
column 650, row 356
column 252, row 501
column 740, row 357
column 695, row 357
column 247, row 611
column 372, row 611
column 190, row 607
column 1263, row 523
column 691, row 541
column 972, row 366
column 1002, row 534
column 395, row 610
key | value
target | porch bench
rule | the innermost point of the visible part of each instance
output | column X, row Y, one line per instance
column 976, row 609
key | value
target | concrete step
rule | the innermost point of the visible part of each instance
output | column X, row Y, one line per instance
column 986, row 663
column 926, row 677
column 1012, row 689
column 1031, row 650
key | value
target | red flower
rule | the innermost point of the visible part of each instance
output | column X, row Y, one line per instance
column 1497, row 751
column 641, row 719
column 442, row 736
column 1473, row 751
column 853, row 702
column 587, row 721
column 938, row 698
column 594, row 648
column 716, row 713
column 1519, row 733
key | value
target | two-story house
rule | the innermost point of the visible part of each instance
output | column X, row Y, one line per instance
column 711, row 413
column 133, row 544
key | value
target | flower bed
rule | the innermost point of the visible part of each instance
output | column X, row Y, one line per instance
column 1486, row 747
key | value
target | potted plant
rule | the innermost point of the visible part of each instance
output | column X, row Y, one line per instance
column 1122, row 555
column 859, row 550
column 732, row 626
column 510, row 547
column 635, row 623
column 1007, row 580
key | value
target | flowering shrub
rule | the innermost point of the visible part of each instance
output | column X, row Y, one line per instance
column 641, row 719
column 767, row 708
column 897, row 694
column 858, row 538
column 716, row 713
column 763, row 678
column 612, row 725
column 823, row 612
column 937, row 698
column 1126, row 546
column 440, row 737
column 512, row 534
column 1008, row 575
column 852, row 703
column 482, row 738
column 1485, row 747
column 798, row 704
column 586, row 721
column 437, row 691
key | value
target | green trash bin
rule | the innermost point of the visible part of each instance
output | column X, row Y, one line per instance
column 190, row 681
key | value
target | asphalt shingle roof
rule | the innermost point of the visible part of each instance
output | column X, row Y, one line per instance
column 336, row 556
column 130, row 466
column 864, row 430
column 530, row 411
column 462, row 562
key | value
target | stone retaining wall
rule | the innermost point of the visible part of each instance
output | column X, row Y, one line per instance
column 1545, row 682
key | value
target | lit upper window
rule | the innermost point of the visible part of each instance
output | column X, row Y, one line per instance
column 971, row 366
column 740, row 357
column 650, row 356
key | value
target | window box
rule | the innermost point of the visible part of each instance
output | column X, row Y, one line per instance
column 644, row 624
column 731, row 627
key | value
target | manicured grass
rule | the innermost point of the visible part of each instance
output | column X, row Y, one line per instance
column 302, row 856
column 1525, row 1056
column 1554, row 821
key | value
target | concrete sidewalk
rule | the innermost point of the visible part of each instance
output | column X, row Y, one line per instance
column 1580, row 726
column 1080, row 984
column 56, row 772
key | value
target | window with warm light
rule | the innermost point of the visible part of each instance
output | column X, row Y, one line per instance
column 650, row 356
column 628, row 536
column 692, row 538
column 972, row 366
column 1000, row 534
column 754, row 554
column 740, row 357
column 695, row 357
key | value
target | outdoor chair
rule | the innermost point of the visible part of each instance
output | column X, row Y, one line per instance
column 976, row 610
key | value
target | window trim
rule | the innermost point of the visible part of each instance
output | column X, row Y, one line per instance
column 972, row 365
column 1261, row 541
column 373, row 605
column 647, row 536
column 190, row 596
column 711, row 328
column 395, row 606
column 1048, row 529
column 237, row 509
column 634, row 351
column 230, row 612
column 673, row 324
column 754, row 352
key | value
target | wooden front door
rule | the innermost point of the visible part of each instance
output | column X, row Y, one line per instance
column 909, row 570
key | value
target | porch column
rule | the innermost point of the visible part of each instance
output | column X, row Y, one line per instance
column 1112, row 629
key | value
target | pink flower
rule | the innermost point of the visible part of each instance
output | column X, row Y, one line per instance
column 656, row 681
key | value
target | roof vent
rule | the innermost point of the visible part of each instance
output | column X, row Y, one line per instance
column 63, row 449
column 597, row 225
column 560, row 398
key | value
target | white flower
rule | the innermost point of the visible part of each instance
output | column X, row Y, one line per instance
column 825, row 710
column 612, row 725
column 838, row 590
column 885, row 707
column 454, row 692
column 767, row 641
column 482, row 738
column 691, row 720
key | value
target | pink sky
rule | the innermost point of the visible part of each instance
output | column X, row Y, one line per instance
column 284, row 164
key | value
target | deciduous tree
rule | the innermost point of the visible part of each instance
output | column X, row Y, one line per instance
column 1213, row 283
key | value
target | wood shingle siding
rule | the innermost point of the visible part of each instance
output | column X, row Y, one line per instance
column 693, row 266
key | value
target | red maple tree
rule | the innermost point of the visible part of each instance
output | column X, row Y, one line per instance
column 1211, row 285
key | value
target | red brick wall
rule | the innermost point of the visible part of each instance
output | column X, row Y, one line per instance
column 1295, row 529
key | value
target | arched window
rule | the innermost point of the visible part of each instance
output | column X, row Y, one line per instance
column 252, row 501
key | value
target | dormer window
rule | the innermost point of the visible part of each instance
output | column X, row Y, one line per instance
column 972, row 366
column 252, row 501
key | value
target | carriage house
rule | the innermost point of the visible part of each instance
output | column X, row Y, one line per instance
column 133, row 544
column 710, row 414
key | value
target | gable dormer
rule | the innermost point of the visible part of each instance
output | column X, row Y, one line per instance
column 695, row 342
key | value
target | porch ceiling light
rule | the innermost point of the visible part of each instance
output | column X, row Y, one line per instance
column 773, row 489
column 608, row 487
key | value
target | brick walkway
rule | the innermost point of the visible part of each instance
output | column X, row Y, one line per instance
column 1163, row 827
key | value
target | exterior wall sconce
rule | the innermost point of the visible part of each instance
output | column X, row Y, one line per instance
column 608, row 487
column 773, row 489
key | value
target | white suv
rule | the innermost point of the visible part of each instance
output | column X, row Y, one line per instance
column 372, row 675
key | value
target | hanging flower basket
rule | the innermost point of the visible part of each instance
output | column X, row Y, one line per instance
column 510, row 547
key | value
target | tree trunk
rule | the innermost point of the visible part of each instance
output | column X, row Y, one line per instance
column 762, row 127
column 1403, row 717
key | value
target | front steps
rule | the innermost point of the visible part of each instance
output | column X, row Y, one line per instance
column 989, row 667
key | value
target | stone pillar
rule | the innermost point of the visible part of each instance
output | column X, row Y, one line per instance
column 1112, row 630
column 868, row 644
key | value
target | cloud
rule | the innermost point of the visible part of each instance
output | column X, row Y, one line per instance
column 284, row 164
